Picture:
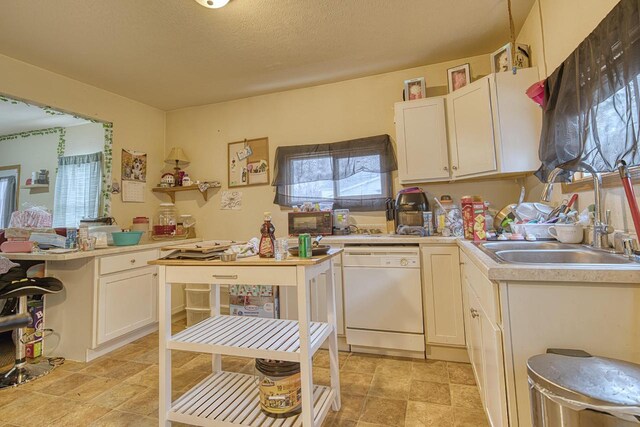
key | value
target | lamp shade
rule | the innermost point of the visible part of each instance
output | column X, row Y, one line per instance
column 177, row 156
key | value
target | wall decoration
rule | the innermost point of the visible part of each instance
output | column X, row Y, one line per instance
column 415, row 89
column 134, row 175
column 134, row 165
column 248, row 162
column 501, row 59
column 458, row 77
column 231, row 200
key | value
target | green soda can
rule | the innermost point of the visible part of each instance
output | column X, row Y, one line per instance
column 304, row 245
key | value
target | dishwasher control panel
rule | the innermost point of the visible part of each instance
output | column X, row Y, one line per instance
column 399, row 262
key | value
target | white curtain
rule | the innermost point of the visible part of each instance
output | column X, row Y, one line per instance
column 7, row 199
column 78, row 187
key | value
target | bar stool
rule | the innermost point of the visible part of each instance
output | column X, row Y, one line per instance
column 14, row 284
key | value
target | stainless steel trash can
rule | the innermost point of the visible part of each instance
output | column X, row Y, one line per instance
column 588, row 391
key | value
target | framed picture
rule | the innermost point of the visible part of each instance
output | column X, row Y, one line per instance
column 248, row 162
column 501, row 59
column 458, row 77
column 414, row 89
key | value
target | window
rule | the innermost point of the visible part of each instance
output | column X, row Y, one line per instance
column 77, row 194
column 352, row 174
column 9, row 178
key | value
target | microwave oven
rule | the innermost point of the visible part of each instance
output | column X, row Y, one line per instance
column 314, row 223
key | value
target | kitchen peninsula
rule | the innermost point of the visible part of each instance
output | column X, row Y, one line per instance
column 109, row 298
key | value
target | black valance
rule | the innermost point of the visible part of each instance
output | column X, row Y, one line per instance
column 592, row 100
column 353, row 174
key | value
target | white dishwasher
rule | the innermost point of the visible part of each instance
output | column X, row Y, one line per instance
column 383, row 300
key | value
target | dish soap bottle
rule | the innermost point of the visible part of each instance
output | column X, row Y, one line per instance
column 267, row 241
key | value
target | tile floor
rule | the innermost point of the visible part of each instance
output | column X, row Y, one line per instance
column 121, row 389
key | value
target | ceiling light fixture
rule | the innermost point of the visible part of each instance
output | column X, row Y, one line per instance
column 213, row 4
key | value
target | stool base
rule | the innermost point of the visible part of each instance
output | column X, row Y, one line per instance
column 25, row 373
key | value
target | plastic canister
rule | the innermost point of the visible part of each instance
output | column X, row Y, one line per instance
column 280, row 390
column 141, row 223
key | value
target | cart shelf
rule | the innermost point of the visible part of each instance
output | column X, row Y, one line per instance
column 249, row 337
column 229, row 398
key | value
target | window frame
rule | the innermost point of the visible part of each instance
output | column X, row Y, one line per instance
column 609, row 180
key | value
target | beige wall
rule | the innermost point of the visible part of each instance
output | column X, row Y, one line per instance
column 564, row 25
column 20, row 151
column 135, row 126
column 327, row 113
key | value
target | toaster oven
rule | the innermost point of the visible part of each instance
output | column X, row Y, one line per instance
column 315, row 223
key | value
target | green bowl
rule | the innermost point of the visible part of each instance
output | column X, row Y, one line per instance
column 126, row 238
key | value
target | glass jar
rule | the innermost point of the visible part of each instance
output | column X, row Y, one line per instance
column 449, row 219
column 166, row 220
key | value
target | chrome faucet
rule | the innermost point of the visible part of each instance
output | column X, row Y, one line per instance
column 601, row 229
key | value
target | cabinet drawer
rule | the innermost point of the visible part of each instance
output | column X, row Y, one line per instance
column 128, row 261
column 233, row 275
column 486, row 290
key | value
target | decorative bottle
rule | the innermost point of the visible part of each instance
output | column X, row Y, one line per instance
column 268, row 239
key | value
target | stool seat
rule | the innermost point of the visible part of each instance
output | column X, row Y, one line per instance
column 30, row 286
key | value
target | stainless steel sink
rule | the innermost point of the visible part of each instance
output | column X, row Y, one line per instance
column 551, row 253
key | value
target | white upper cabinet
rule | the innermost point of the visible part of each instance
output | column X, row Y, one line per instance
column 421, row 136
column 471, row 130
column 494, row 128
column 490, row 127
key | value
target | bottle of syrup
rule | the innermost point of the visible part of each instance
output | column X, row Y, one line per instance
column 268, row 239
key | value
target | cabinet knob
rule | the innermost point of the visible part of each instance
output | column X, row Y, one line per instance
column 133, row 261
column 474, row 313
column 445, row 168
column 455, row 168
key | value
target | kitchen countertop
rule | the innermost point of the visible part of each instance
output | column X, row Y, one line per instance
column 111, row 250
column 548, row 273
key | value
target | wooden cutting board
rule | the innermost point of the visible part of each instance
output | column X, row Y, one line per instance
column 203, row 247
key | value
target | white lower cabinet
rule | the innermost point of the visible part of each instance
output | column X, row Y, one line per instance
column 442, row 295
column 126, row 301
column 484, row 341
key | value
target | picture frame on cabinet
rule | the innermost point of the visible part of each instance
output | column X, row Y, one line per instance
column 458, row 77
column 415, row 89
column 501, row 59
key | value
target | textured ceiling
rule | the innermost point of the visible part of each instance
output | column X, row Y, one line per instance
column 176, row 53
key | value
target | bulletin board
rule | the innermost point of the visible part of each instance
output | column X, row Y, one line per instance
column 248, row 162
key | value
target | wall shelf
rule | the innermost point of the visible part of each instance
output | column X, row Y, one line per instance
column 171, row 191
column 33, row 186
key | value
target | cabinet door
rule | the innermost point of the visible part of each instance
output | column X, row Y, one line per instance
column 493, row 368
column 475, row 336
column 126, row 302
column 473, row 149
column 443, row 295
column 421, row 135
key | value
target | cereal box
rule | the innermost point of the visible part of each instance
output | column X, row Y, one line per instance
column 479, row 221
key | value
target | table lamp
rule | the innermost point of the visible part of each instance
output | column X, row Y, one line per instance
column 176, row 156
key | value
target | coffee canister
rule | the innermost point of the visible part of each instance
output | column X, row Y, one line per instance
column 280, row 389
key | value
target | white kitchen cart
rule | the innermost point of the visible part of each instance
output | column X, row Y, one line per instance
column 227, row 398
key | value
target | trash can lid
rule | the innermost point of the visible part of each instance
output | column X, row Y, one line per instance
column 593, row 381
